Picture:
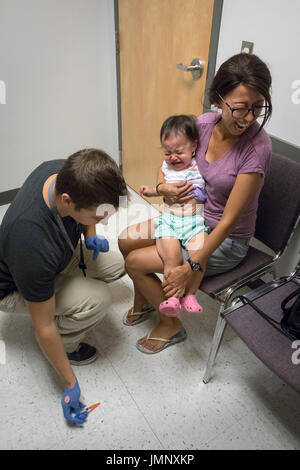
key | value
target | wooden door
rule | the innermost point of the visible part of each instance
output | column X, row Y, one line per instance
column 155, row 36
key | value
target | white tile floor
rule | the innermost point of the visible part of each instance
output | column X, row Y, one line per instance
column 147, row 402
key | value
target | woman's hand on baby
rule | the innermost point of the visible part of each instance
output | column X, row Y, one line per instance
column 175, row 281
column 176, row 193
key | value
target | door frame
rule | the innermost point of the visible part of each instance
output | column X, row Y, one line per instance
column 211, row 66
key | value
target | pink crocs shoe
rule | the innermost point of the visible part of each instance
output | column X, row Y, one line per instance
column 190, row 303
column 170, row 307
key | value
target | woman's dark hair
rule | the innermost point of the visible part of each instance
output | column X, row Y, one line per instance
column 181, row 123
column 243, row 69
column 91, row 177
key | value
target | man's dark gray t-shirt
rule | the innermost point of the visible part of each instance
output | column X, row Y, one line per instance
column 33, row 249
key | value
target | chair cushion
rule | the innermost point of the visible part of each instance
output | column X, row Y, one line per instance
column 254, row 260
column 269, row 345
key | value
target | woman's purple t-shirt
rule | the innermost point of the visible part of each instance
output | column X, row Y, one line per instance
column 251, row 154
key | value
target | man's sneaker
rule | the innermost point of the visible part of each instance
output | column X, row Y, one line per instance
column 84, row 354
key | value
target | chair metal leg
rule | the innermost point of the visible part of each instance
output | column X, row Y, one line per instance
column 218, row 334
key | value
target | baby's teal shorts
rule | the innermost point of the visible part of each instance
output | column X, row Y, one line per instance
column 182, row 228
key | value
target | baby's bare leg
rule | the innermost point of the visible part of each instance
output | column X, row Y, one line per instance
column 195, row 244
column 189, row 300
column 169, row 250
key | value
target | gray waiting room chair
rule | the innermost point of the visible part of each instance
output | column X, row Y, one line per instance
column 267, row 341
column 277, row 218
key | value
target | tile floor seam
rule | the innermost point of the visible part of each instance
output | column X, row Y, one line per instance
column 240, row 417
column 33, row 371
column 136, row 404
column 218, row 434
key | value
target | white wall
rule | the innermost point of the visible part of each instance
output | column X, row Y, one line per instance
column 273, row 26
column 57, row 61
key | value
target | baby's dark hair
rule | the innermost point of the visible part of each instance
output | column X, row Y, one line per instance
column 182, row 123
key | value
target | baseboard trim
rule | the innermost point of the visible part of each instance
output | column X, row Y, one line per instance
column 7, row 196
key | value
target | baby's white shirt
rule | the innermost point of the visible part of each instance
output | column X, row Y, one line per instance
column 190, row 174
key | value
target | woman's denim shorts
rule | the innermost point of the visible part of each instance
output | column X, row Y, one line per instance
column 226, row 257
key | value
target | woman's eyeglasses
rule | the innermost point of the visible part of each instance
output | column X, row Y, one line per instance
column 242, row 112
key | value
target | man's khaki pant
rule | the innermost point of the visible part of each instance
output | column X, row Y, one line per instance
column 80, row 302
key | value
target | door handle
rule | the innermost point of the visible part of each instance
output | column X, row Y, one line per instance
column 196, row 67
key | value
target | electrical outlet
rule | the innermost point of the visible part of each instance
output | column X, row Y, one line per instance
column 247, row 47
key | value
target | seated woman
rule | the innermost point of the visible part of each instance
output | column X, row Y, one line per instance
column 233, row 156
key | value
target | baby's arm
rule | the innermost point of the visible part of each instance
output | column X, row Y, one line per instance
column 152, row 192
column 146, row 191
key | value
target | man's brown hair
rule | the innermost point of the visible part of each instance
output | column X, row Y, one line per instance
column 91, row 177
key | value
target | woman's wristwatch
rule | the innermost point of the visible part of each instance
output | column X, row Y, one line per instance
column 194, row 266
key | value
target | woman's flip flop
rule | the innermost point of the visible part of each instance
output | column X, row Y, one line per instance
column 144, row 314
column 177, row 338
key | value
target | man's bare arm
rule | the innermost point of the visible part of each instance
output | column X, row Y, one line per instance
column 49, row 339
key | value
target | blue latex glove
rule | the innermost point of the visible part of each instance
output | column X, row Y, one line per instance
column 72, row 406
column 97, row 243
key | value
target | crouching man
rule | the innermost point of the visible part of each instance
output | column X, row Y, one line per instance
column 46, row 268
